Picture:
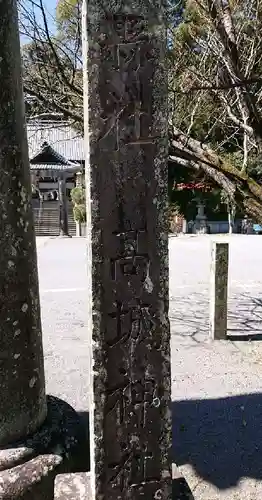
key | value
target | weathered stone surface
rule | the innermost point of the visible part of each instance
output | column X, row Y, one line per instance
column 11, row 457
column 127, row 121
column 22, row 402
column 200, row 224
column 28, row 469
column 72, row 486
column 33, row 480
column 218, row 291
column 38, row 438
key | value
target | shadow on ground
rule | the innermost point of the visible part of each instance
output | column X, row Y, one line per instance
column 220, row 438
column 181, row 490
column 245, row 321
column 84, row 416
column 189, row 316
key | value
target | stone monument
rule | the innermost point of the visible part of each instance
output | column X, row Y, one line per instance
column 127, row 146
column 219, row 291
column 38, row 436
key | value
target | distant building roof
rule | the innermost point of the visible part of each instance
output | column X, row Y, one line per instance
column 47, row 154
column 53, row 169
column 60, row 135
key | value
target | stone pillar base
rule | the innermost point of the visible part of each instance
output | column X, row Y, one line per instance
column 201, row 226
column 28, row 468
column 73, row 486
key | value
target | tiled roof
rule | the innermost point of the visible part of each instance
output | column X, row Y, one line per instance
column 53, row 169
column 47, row 154
column 66, row 141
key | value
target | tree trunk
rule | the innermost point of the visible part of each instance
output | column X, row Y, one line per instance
column 230, row 221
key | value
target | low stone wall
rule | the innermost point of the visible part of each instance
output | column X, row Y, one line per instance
column 215, row 227
column 220, row 227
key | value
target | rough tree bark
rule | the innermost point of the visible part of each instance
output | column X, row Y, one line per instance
column 247, row 192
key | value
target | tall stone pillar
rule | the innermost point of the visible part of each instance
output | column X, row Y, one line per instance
column 218, row 290
column 38, row 436
column 22, row 401
column 126, row 126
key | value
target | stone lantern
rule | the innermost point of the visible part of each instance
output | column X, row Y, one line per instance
column 200, row 225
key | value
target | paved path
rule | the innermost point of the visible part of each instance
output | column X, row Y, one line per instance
column 62, row 281
column 217, row 395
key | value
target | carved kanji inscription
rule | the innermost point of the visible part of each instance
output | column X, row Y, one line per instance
column 126, row 79
column 128, row 152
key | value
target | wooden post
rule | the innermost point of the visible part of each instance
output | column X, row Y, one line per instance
column 218, row 291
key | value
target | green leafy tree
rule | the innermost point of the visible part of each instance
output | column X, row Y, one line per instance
column 68, row 20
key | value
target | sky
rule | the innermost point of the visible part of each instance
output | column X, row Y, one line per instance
column 50, row 6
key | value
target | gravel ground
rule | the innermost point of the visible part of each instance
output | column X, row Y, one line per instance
column 216, row 389
column 217, row 400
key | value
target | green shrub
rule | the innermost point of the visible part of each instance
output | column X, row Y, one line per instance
column 79, row 204
column 78, row 195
